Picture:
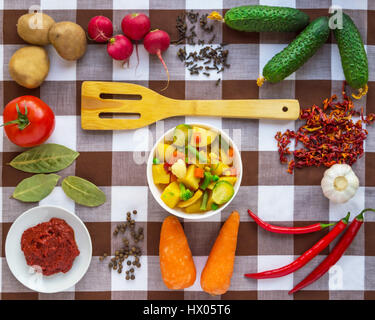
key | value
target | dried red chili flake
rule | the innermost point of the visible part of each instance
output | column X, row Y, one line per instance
column 329, row 135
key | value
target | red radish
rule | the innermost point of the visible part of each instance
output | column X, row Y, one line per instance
column 120, row 47
column 135, row 25
column 100, row 29
column 155, row 42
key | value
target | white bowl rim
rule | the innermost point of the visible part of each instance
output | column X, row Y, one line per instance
column 84, row 270
column 193, row 216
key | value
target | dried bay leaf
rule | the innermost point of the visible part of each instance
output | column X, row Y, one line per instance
column 35, row 188
column 83, row 192
column 45, row 158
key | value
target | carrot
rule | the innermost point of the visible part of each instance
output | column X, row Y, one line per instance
column 218, row 270
column 198, row 173
column 176, row 262
column 230, row 152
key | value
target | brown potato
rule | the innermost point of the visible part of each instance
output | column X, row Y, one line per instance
column 69, row 40
column 34, row 27
column 29, row 66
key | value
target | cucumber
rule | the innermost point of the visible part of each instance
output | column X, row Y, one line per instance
column 257, row 18
column 222, row 192
column 301, row 49
column 353, row 55
column 181, row 135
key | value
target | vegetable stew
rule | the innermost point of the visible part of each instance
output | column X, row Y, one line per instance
column 194, row 169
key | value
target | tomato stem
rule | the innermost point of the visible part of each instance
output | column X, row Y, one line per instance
column 22, row 121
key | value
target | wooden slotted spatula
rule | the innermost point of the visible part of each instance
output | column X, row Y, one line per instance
column 148, row 106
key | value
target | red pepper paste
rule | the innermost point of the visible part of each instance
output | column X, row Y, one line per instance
column 50, row 246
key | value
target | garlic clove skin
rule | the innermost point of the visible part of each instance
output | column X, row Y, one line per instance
column 339, row 183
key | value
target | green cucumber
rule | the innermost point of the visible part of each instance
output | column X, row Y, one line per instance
column 222, row 192
column 353, row 55
column 181, row 135
column 301, row 49
column 258, row 18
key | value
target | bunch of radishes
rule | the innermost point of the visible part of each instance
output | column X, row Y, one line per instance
column 135, row 26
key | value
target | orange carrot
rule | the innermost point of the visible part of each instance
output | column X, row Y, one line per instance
column 176, row 262
column 218, row 270
column 230, row 152
column 198, row 173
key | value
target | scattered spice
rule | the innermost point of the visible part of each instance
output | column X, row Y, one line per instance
column 126, row 250
column 214, row 58
column 329, row 135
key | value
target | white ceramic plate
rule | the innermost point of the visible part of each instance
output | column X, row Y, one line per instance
column 156, row 192
column 16, row 259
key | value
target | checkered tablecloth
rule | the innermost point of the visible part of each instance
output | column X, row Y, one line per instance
column 107, row 158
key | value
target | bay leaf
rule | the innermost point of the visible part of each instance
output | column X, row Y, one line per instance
column 83, row 192
column 45, row 158
column 35, row 188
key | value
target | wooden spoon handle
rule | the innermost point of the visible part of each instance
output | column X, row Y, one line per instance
column 286, row 109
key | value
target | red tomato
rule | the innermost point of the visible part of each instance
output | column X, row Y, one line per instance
column 28, row 121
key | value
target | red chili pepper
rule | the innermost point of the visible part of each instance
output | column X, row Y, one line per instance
column 289, row 230
column 335, row 254
column 305, row 257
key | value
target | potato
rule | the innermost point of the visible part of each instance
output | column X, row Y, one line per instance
column 29, row 66
column 34, row 27
column 171, row 195
column 159, row 174
column 191, row 181
column 69, row 40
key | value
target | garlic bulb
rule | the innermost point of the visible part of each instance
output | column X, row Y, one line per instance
column 340, row 183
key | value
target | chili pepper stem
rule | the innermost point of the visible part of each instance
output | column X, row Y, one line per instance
column 360, row 216
column 346, row 219
column 326, row 225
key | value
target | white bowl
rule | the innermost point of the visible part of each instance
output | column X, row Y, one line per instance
column 156, row 192
column 16, row 259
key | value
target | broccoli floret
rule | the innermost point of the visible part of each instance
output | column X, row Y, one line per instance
column 208, row 178
column 185, row 194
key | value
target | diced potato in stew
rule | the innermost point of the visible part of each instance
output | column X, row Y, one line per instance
column 171, row 195
column 160, row 175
